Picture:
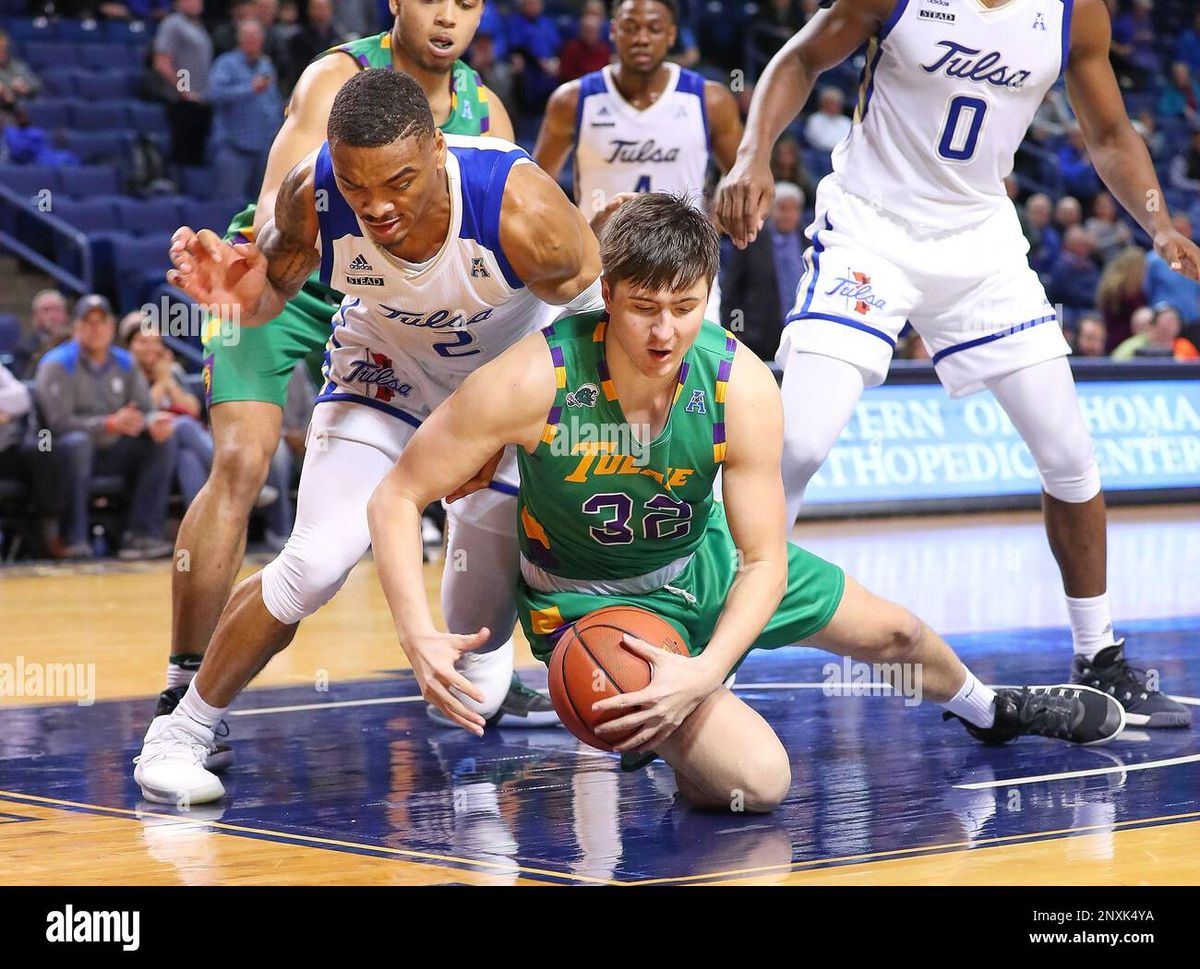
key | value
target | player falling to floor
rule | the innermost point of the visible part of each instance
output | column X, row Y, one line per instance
column 642, row 124
column 247, row 378
column 914, row 225
column 449, row 249
column 622, row 419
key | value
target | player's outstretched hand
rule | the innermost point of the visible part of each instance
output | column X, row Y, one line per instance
column 1180, row 253
column 743, row 200
column 677, row 686
column 212, row 271
column 433, row 658
column 605, row 213
column 479, row 480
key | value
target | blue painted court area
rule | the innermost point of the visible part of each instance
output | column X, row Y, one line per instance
column 362, row 766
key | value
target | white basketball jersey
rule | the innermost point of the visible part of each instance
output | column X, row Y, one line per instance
column 621, row 149
column 407, row 335
column 947, row 94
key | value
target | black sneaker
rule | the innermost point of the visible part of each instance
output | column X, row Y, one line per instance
column 1110, row 673
column 523, row 706
column 1076, row 714
column 633, row 760
column 220, row 757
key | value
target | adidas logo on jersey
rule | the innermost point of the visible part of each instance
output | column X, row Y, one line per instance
column 929, row 11
column 359, row 264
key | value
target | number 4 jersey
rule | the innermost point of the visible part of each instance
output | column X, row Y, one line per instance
column 406, row 335
column 948, row 91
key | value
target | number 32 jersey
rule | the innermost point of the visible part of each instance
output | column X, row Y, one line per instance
column 948, row 91
column 406, row 335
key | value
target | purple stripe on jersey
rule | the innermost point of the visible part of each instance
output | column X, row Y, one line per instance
column 683, row 372
column 556, row 355
column 719, row 432
column 730, row 344
column 724, row 369
column 555, row 415
column 602, row 369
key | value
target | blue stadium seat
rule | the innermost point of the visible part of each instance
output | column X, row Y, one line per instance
column 138, row 264
column 100, row 57
column 60, row 83
column 22, row 29
column 817, row 161
column 27, row 180
column 87, row 181
column 79, row 31
column 125, row 32
column 42, row 54
column 90, row 215
column 143, row 217
column 213, row 215
column 197, row 181
column 100, row 115
column 96, row 147
column 49, row 113
column 110, row 85
column 10, row 333
column 147, row 116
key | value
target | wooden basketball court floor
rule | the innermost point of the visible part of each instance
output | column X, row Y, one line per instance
column 341, row 779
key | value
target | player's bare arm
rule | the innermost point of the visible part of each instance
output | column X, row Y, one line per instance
column 1117, row 151
column 754, row 506
column 745, row 194
column 450, row 445
column 499, row 123
column 303, row 130
column 557, row 133
column 724, row 123
column 546, row 238
column 255, row 278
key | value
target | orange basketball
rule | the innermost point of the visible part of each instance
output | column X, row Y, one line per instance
column 591, row 663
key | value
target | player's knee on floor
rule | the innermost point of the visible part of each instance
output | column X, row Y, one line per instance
column 768, row 778
column 295, row 586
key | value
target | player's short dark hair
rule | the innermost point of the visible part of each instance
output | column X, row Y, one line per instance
column 659, row 241
column 671, row 5
column 375, row 107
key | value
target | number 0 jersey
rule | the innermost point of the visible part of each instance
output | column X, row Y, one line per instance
column 948, row 91
column 595, row 503
column 406, row 335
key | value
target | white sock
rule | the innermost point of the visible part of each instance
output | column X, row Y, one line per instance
column 974, row 702
column 1091, row 624
column 181, row 669
column 193, row 706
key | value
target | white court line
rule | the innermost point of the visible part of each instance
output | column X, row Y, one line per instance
column 1096, row 772
column 324, row 706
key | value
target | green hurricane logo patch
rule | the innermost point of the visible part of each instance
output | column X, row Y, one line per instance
column 585, row 396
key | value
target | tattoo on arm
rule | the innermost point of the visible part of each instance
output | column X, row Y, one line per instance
column 288, row 240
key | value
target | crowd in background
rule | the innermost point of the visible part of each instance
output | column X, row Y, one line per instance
column 117, row 402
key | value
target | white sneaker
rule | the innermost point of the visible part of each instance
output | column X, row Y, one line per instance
column 170, row 769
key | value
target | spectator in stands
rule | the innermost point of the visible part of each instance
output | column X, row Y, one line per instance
column 248, row 112
column 758, row 283
column 1053, row 117
column 828, row 125
column 770, row 28
column 17, row 82
column 1109, row 232
column 1074, row 278
column 97, row 407
column 169, row 395
column 492, row 23
column 1068, row 213
column 1187, row 46
column 1091, row 339
column 49, row 325
column 319, row 34
column 1146, row 125
column 1075, row 165
column 1120, row 292
column 360, row 18
column 533, row 42
column 586, row 53
column 278, row 32
column 1134, row 45
column 225, row 34
column 183, row 54
column 1161, row 338
column 787, row 165
column 1165, row 286
column 496, row 73
column 1180, row 97
column 1184, row 173
column 1044, row 240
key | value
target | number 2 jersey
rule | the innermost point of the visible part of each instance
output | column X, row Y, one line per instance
column 948, row 91
column 597, row 505
column 406, row 335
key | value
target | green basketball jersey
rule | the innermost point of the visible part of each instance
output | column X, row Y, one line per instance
column 595, row 503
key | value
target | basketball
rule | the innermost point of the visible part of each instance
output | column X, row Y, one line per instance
column 591, row 663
